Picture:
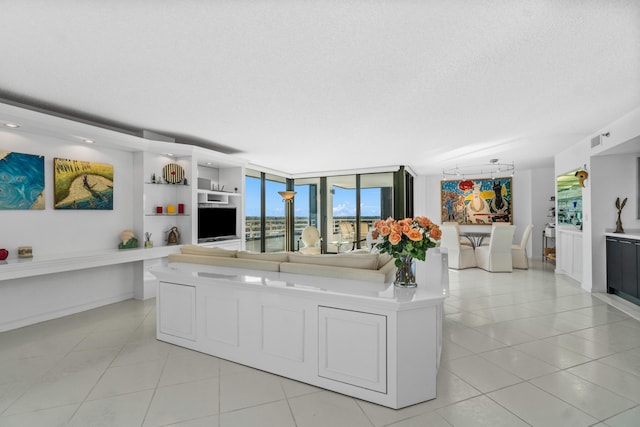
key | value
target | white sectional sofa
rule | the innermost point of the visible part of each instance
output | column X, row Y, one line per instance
column 378, row 268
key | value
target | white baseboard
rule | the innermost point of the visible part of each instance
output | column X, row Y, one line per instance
column 43, row 317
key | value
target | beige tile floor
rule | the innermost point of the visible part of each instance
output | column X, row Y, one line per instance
column 527, row 348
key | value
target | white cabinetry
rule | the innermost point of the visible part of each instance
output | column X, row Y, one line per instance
column 177, row 310
column 352, row 348
column 569, row 252
column 355, row 338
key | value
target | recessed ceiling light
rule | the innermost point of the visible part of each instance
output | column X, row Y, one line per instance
column 12, row 125
column 88, row 141
column 169, row 154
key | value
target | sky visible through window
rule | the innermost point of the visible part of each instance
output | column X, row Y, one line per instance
column 343, row 200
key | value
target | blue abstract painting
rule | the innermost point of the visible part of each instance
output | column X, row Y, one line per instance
column 21, row 181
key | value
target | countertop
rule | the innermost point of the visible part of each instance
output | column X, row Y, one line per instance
column 380, row 294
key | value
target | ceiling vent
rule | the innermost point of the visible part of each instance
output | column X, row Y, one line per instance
column 597, row 141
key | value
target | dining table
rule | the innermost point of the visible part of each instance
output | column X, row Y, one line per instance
column 475, row 237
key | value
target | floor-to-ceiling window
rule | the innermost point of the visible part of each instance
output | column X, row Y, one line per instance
column 343, row 208
column 306, row 205
column 341, row 212
column 253, row 210
column 274, row 213
column 354, row 203
column 264, row 212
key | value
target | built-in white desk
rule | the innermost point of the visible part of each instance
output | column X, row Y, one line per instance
column 49, row 286
column 15, row 268
column 368, row 340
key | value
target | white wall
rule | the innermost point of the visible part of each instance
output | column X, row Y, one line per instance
column 52, row 231
column 612, row 172
column 531, row 191
column 57, row 232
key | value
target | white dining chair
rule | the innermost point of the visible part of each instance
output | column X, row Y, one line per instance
column 497, row 256
column 519, row 256
column 310, row 237
column 463, row 240
column 460, row 256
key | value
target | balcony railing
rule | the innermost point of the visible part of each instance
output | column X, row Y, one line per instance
column 274, row 230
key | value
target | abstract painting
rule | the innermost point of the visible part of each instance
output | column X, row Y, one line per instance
column 477, row 201
column 82, row 185
column 21, row 181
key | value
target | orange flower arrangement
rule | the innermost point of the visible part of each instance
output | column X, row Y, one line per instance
column 409, row 237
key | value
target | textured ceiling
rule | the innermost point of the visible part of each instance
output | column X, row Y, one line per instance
column 306, row 86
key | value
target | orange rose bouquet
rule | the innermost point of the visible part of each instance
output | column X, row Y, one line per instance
column 406, row 239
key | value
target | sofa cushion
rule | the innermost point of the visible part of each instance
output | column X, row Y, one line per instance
column 252, row 264
column 265, row 256
column 202, row 250
column 382, row 258
column 365, row 262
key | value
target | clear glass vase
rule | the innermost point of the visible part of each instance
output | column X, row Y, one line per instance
column 406, row 272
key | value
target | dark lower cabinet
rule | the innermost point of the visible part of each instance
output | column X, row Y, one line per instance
column 614, row 265
column 623, row 258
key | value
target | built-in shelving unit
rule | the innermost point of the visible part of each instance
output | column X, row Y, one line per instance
column 215, row 197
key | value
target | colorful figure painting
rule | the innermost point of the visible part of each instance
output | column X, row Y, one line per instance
column 82, row 185
column 21, row 181
column 476, row 201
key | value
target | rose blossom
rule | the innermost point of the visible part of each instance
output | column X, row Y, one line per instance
column 395, row 238
column 435, row 232
column 385, row 230
column 414, row 235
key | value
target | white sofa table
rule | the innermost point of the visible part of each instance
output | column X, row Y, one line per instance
column 367, row 340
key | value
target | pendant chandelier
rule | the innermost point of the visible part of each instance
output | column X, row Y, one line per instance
column 494, row 169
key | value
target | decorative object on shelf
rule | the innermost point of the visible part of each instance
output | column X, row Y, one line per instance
column 181, row 208
column 25, row 252
column 82, row 185
column 153, row 178
column 173, row 236
column 582, row 176
column 619, row 206
column 147, row 240
column 3, row 254
column 127, row 240
column 159, row 209
column 476, row 201
column 22, row 177
column 171, row 210
column 185, row 182
column 173, row 173
column 406, row 240
column 287, row 198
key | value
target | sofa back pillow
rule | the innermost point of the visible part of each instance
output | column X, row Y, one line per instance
column 202, row 250
column 383, row 259
column 365, row 262
column 271, row 256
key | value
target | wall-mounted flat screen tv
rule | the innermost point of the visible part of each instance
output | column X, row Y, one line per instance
column 216, row 223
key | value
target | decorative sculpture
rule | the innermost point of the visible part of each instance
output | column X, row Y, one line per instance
column 582, row 176
column 173, row 236
column 127, row 240
column 619, row 228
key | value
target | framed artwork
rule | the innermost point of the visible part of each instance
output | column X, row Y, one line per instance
column 82, row 185
column 21, row 181
column 477, row 201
